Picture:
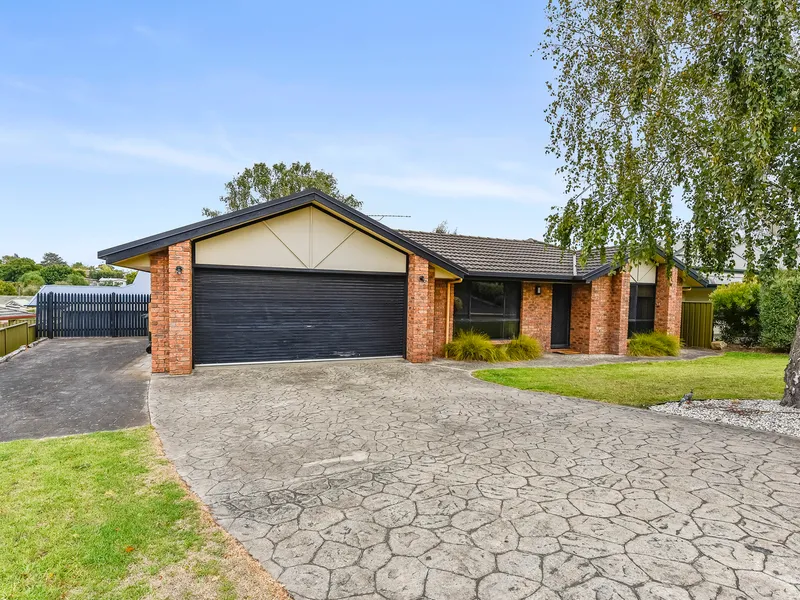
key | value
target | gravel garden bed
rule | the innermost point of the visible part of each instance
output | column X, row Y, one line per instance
column 765, row 415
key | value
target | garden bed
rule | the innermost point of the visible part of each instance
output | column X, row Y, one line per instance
column 763, row 415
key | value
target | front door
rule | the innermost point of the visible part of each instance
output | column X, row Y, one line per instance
column 562, row 304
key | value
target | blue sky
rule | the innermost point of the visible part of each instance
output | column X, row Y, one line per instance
column 119, row 120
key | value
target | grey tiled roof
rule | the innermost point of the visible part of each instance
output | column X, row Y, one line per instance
column 498, row 255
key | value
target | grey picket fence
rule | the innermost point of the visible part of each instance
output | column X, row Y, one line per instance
column 91, row 315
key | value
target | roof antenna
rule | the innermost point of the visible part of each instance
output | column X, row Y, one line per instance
column 381, row 217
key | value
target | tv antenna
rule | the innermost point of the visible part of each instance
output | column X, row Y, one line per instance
column 381, row 217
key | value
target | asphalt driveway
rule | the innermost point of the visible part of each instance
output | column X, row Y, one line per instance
column 384, row 479
column 68, row 386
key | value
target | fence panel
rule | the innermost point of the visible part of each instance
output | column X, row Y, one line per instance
column 13, row 337
column 697, row 324
column 92, row 315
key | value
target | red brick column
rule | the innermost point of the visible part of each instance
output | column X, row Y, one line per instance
column 180, row 309
column 599, row 317
column 669, row 296
column 159, row 311
column 443, row 304
column 536, row 312
column 421, row 295
column 618, row 313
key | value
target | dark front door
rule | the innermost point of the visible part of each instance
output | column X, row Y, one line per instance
column 259, row 316
column 562, row 304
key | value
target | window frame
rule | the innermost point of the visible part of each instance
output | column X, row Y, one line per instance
column 635, row 323
column 508, row 322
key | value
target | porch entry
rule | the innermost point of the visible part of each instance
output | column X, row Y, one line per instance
column 562, row 305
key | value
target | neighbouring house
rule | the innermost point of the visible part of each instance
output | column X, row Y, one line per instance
column 14, row 308
column 140, row 285
column 308, row 278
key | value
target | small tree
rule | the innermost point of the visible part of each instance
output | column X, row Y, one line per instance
column 736, row 312
column 51, row 258
column 55, row 273
column 15, row 267
column 262, row 183
column 7, row 288
column 779, row 308
column 76, row 278
column 130, row 276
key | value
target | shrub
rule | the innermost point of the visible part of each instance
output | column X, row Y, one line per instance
column 523, row 348
column 76, row 278
column 655, row 343
column 32, row 278
column 778, row 308
column 736, row 312
column 472, row 345
column 7, row 289
column 55, row 273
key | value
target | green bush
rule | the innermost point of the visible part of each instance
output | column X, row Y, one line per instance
column 7, row 289
column 523, row 348
column 736, row 312
column 32, row 278
column 55, row 273
column 779, row 307
column 655, row 343
column 76, row 278
column 472, row 345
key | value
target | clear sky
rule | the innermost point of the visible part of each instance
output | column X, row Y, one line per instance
column 120, row 120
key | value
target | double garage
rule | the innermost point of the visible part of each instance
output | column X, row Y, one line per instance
column 301, row 278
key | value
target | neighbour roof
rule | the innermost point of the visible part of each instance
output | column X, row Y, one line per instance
column 484, row 255
column 140, row 285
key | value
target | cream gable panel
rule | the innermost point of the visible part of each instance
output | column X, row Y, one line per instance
column 643, row 273
column 251, row 246
column 329, row 233
column 359, row 252
column 302, row 239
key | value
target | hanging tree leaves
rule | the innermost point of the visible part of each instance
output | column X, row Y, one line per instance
column 677, row 122
column 659, row 102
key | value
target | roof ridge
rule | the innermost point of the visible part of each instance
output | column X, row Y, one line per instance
column 476, row 237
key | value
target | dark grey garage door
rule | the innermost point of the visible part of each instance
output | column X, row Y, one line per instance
column 250, row 316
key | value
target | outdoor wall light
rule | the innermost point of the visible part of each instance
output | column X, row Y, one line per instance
column 422, row 278
column 538, row 290
column 179, row 269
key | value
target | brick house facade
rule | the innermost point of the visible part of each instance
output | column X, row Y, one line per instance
column 419, row 275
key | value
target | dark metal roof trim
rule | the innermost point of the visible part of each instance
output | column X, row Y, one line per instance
column 267, row 209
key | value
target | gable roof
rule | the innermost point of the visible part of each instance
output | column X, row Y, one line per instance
column 261, row 211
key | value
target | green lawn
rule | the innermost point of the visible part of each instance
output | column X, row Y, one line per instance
column 101, row 516
column 732, row 375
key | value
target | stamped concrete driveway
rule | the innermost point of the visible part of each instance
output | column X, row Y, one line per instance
column 391, row 480
column 67, row 386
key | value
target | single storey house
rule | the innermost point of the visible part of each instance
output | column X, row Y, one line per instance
column 308, row 278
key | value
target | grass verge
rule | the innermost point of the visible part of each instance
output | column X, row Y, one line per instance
column 105, row 516
column 732, row 375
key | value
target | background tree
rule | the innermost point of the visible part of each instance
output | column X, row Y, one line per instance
column 443, row 227
column 31, row 282
column 76, row 278
column 130, row 276
column 689, row 101
column 7, row 288
column 16, row 267
column 55, row 273
column 51, row 258
column 262, row 183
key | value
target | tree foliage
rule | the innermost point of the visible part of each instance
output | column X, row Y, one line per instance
column 688, row 101
column 15, row 267
column 7, row 289
column 444, row 227
column 51, row 258
column 779, row 308
column 55, row 273
column 262, row 183
column 736, row 312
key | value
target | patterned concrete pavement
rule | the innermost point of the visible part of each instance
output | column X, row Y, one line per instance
column 382, row 479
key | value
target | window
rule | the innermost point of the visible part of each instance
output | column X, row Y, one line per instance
column 642, row 309
column 491, row 307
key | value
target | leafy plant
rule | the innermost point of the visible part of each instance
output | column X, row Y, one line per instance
column 7, row 289
column 472, row 345
column 655, row 343
column 736, row 312
column 55, row 273
column 77, row 278
column 523, row 348
column 779, row 308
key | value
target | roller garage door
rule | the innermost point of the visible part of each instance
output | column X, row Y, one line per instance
column 243, row 315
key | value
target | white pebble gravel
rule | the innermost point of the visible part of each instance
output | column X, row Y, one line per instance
column 766, row 415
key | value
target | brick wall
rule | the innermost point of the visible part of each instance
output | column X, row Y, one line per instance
column 159, row 311
column 180, row 309
column 443, row 305
column 599, row 317
column 421, row 300
column 669, row 296
column 171, row 310
column 536, row 312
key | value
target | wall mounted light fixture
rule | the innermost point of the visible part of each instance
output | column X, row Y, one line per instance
column 422, row 278
column 179, row 269
column 538, row 290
